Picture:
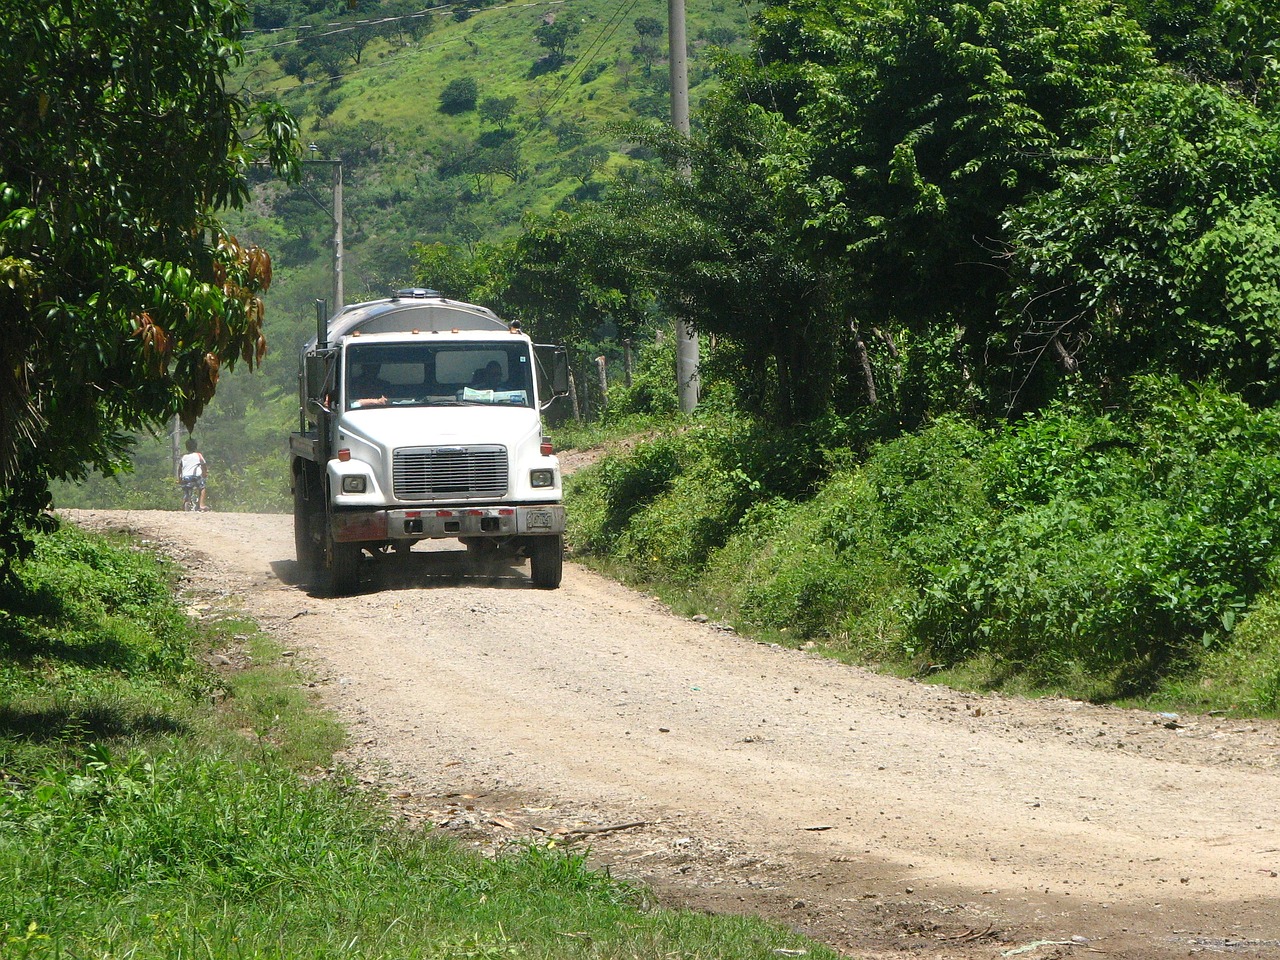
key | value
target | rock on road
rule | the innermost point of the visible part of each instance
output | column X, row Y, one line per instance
column 884, row 817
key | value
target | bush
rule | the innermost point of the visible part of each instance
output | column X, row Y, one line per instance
column 837, row 566
column 82, row 600
column 785, row 573
column 653, row 386
column 1126, row 546
column 606, row 496
column 1123, row 548
column 459, row 96
column 669, row 502
column 1251, row 661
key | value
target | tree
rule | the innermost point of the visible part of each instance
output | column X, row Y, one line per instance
column 1163, row 252
column 1235, row 42
column 585, row 162
column 649, row 28
column 649, row 49
column 497, row 110
column 459, row 95
column 123, row 296
column 554, row 35
column 906, row 130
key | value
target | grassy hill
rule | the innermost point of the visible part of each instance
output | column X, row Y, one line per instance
column 420, row 167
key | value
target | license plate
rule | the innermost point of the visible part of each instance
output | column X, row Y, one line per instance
column 538, row 519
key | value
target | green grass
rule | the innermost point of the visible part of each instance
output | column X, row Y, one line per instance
column 161, row 796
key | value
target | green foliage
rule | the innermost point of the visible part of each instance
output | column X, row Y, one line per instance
column 459, row 95
column 896, row 135
column 1234, row 42
column 1125, row 548
column 1251, row 662
column 607, row 496
column 781, row 570
column 125, row 294
column 653, row 386
column 554, row 34
column 1161, row 255
column 666, row 505
column 1128, row 546
column 81, row 601
column 837, row 567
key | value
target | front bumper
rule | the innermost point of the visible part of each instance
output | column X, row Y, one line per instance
column 437, row 523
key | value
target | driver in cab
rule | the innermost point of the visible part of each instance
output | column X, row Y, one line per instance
column 365, row 387
column 488, row 377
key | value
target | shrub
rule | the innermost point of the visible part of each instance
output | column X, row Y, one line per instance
column 653, row 386
column 1251, row 661
column 459, row 95
column 1128, row 546
column 606, row 496
column 784, row 572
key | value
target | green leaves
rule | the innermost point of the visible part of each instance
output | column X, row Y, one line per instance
column 1164, row 255
column 124, row 295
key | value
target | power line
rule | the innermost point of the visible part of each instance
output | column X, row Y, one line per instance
column 607, row 30
column 348, row 26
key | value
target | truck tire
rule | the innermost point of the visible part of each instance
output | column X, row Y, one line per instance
column 342, row 563
column 305, row 544
column 546, row 561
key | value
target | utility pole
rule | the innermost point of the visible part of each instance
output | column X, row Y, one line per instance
column 336, row 216
column 687, row 382
column 337, row 236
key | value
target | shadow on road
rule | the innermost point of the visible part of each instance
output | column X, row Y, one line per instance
column 416, row 570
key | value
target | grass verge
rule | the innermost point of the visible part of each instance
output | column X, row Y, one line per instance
column 155, row 805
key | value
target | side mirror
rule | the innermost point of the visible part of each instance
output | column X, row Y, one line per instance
column 553, row 364
column 319, row 374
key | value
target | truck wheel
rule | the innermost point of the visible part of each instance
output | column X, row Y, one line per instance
column 546, row 561
column 305, row 545
column 343, row 562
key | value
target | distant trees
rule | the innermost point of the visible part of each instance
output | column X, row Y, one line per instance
column 649, row 48
column 124, row 297
column 497, row 110
column 583, row 163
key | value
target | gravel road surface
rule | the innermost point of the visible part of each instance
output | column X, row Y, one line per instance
column 883, row 817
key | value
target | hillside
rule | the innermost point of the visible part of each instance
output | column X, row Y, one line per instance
column 451, row 130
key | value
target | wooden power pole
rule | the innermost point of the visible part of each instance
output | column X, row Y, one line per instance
column 687, row 383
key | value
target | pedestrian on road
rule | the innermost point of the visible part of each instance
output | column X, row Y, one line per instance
column 193, row 469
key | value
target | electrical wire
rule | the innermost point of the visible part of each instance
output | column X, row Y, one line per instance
column 607, row 30
column 348, row 26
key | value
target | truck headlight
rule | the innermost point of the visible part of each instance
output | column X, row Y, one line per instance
column 542, row 478
column 354, row 484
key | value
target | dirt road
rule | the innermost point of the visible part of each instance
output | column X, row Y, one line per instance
column 883, row 817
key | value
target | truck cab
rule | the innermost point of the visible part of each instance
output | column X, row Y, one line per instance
column 421, row 418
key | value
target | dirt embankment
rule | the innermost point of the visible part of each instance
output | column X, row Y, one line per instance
column 886, row 818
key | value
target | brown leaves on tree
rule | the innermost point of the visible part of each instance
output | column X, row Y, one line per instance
column 229, row 332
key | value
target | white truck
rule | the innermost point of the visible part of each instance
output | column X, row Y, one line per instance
column 421, row 418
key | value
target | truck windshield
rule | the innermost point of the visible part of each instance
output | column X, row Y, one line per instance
column 429, row 374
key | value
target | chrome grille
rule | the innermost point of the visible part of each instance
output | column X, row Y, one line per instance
column 432, row 473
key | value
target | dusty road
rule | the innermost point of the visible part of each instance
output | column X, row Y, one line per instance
column 886, row 818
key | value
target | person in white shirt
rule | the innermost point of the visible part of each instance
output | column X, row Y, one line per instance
column 193, row 469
